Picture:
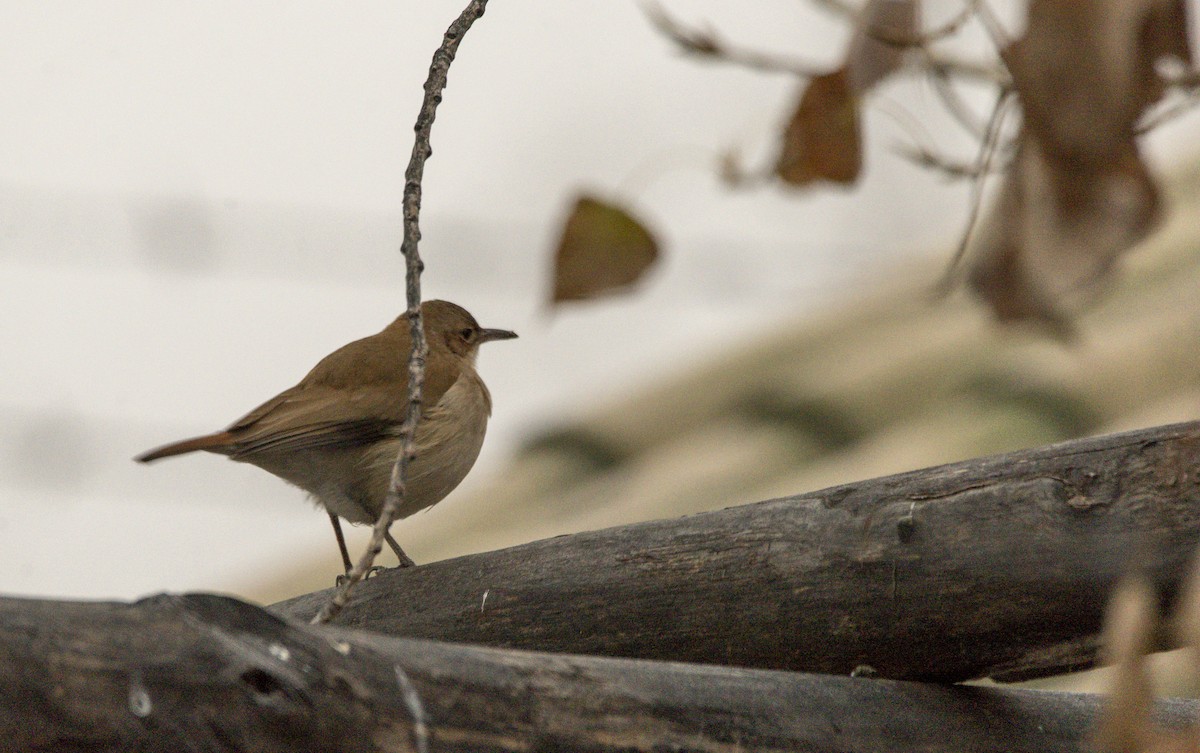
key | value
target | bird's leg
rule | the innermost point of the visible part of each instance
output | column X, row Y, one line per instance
column 341, row 540
column 405, row 560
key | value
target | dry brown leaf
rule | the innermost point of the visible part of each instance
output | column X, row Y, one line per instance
column 603, row 250
column 876, row 49
column 822, row 140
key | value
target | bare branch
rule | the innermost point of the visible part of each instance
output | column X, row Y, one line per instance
column 923, row 156
column 954, row 104
column 838, row 8
column 705, row 43
column 434, row 85
column 983, row 165
column 939, row 62
column 991, row 24
column 940, row 70
column 948, row 65
column 920, row 150
column 209, row 673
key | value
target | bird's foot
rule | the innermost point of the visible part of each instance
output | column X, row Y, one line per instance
column 341, row 579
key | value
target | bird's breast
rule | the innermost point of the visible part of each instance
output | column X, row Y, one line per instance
column 448, row 440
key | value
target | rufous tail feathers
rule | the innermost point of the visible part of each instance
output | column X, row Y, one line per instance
column 206, row 442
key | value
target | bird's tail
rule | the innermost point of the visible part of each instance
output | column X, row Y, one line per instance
column 213, row 442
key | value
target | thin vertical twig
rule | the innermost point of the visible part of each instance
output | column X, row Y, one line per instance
column 983, row 164
column 434, row 85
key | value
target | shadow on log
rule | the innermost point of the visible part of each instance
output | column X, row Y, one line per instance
column 998, row 566
column 199, row 672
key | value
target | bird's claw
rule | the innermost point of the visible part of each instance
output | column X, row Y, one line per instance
column 341, row 579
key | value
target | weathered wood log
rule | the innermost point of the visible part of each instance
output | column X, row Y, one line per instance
column 997, row 566
column 208, row 673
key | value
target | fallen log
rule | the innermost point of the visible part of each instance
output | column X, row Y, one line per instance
column 207, row 673
column 991, row 567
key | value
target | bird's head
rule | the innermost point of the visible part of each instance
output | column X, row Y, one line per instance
column 450, row 326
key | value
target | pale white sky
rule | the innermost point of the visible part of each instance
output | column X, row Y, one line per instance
column 199, row 199
column 312, row 103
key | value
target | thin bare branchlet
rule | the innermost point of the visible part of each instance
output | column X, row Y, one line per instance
column 969, row 70
column 954, row 104
column 705, row 43
column 1027, row 71
column 924, row 39
column 1187, row 87
column 987, row 152
column 940, row 76
column 941, row 68
column 946, row 65
column 838, row 8
column 924, row 156
column 991, row 24
column 434, row 85
column 921, row 152
column 909, row 123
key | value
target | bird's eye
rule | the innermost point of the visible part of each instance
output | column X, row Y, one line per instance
column 467, row 334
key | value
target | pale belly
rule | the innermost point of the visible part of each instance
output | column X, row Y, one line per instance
column 448, row 442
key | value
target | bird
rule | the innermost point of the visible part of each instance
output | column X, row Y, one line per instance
column 336, row 433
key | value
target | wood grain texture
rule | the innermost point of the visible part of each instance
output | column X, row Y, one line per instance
column 209, row 673
column 991, row 567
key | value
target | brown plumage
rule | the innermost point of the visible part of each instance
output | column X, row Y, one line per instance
column 335, row 433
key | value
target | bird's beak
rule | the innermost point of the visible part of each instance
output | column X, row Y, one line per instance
column 487, row 335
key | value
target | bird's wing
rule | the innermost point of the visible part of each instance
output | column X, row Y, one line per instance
column 357, row 395
column 319, row 417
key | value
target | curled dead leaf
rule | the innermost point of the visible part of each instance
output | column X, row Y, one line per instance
column 823, row 139
column 1078, row 194
column 603, row 250
column 1085, row 109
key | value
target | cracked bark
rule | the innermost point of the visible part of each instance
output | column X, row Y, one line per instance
column 202, row 672
column 991, row 567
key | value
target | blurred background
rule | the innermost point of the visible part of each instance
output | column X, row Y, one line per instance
column 198, row 200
